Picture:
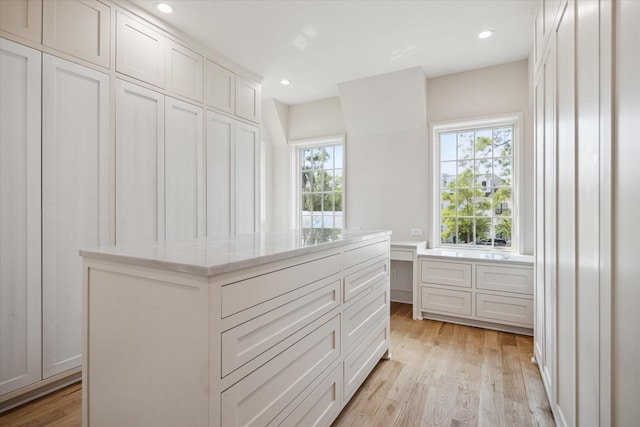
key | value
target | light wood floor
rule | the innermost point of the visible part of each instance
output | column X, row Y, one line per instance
column 440, row 374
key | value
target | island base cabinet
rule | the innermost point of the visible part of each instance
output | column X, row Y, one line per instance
column 152, row 352
column 215, row 343
column 259, row 398
column 364, row 357
column 320, row 407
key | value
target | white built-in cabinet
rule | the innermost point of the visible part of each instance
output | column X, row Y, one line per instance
column 586, row 286
column 485, row 293
column 54, row 199
column 178, row 171
column 75, row 199
column 220, row 139
column 20, row 259
column 232, row 94
column 246, row 175
column 248, row 95
column 184, row 70
column 139, row 51
column 147, row 55
column 184, row 178
column 139, row 164
column 232, row 176
column 159, row 167
column 221, row 88
column 22, row 18
column 79, row 28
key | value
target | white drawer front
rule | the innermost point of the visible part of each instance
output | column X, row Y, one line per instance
column 364, row 315
column 322, row 406
column 364, row 279
column 446, row 273
column 241, row 295
column 445, row 301
column 397, row 255
column 364, row 253
column 260, row 397
column 366, row 355
column 250, row 339
column 505, row 309
column 506, row 279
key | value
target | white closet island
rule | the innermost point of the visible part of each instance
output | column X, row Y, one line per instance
column 257, row 329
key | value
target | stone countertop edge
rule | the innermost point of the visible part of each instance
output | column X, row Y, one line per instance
column 478, row 256
column 108, row 253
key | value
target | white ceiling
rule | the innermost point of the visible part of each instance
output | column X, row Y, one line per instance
column 317, row 44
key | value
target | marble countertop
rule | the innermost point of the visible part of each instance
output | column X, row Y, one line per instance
column 462, row 254
column 409, row 244
column 221, row 255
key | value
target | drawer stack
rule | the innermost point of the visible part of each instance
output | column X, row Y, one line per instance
column 482, row 293
column 297, row 342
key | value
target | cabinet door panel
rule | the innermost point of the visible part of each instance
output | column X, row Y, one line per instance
column 248, row 98
column 80, row 28
column 183, row 71
column 220, row 137
column 139, row 51
column 20, row 294
column 75, row 199
column 221, row 88
column 183, row 171
column 246, row 178
column 139, row 164
column 22, row 18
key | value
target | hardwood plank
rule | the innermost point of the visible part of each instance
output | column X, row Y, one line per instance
column 490, row 339
column 61, row 408
column 375, row 389
column 388, row 413
column 491, row 391
column 539, row 408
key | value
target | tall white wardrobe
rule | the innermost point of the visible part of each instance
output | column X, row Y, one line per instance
column 54, row 199
column 112, row 131
column 587, row 104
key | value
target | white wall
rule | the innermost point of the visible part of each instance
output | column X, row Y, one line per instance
column 488, row 92
column 386, row 176
column 316, row 119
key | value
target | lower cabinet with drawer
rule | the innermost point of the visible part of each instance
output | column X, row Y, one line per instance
column 493, row 294
column 280, row 343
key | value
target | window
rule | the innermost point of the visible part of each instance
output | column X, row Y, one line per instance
column 319, row 195
column 475, row 171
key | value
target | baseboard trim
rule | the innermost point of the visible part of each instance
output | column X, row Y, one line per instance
column 405, row 297
column 31, row 392
column 478, row 324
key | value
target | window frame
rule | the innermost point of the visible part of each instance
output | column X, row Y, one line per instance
column 296, row 168
column 516, row 120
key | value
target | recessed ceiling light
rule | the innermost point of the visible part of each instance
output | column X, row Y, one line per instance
column 285, row 82
column 165, row 8
column 485, row 34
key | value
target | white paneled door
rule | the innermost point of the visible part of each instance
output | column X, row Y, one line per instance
column 246, row 161
column 220, row 136
column 75, row 199
column 139, row 164
column 184, row 176
column 20, row 319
